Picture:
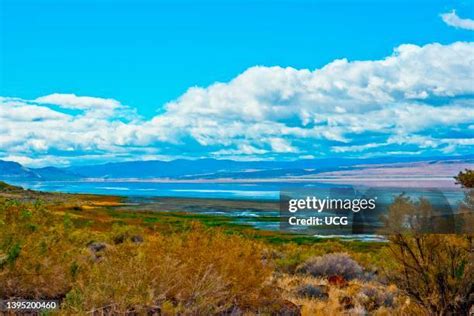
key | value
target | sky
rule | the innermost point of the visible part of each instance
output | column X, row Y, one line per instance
column 96, row 81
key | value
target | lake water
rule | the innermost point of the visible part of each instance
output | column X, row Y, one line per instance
column 245, row 191
column 215, row 190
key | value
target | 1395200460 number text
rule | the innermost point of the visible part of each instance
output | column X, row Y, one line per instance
column 28, row 305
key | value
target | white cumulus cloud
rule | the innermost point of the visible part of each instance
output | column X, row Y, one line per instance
column 72, row 101
column 452, row 19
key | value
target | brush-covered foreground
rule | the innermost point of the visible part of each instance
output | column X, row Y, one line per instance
column 97, row 259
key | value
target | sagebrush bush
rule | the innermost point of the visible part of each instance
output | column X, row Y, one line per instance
column 122, row 233
column 312, row 291
column 332, row 264
column 196, row 272
column 373, row 298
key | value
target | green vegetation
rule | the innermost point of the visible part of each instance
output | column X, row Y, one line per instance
column 6, row 187
column 435, row 270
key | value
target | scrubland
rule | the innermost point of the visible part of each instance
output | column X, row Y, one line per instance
column 100, row 260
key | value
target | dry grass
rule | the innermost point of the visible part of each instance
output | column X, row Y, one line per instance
column 349, row 300
column 196, row 272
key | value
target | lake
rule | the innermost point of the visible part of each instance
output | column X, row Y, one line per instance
column 262, row 190
column 245, row 191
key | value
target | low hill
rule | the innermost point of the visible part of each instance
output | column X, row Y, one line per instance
column 229, row 169
column 5, row 187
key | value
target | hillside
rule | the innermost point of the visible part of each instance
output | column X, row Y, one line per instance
column 13, row 171
column 5, row 187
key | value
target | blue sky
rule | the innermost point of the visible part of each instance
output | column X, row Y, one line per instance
column 145, row 55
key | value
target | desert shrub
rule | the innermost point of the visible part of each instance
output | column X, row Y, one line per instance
column 312, row 291
column 436, row 271
column 332, row 264
column 465, row 178
column 373, row 298
column 292, row 255
column 358, row 297
column 121, row 233
column 198, row 272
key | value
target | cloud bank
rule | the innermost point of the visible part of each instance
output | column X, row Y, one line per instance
column 417, row 100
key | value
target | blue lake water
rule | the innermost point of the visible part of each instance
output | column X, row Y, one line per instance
column 230, row 190
column 246, row 191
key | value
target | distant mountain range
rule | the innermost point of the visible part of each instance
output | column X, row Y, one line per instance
column 229, row 169
column 10, row 170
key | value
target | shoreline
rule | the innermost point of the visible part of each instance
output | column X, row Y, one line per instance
column 387, row 182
